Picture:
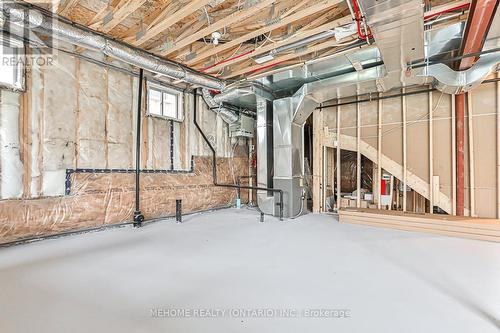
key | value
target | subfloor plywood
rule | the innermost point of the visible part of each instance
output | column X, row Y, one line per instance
column 390, row 281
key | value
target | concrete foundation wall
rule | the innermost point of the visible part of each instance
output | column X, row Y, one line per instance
column 77, row 114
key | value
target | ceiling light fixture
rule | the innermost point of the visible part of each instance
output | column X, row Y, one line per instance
column 215, row 37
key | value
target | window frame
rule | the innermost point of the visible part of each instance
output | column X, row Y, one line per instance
column 165, row 90
column 19, row 75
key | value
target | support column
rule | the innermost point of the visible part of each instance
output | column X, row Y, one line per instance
column 339, row 181
column 358, row 156
column 405, row 168
column 379, row 152
column 498, row 146
column 460, row 133
column 431, row 155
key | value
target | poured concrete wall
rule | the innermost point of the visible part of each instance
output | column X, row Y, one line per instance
column 78, row 114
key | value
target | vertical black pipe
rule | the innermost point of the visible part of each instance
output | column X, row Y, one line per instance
column 138, row 217
column 178, row 210
column 171, row 145
column 214, row 163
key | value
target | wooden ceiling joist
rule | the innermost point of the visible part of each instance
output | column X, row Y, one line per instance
column 167, row 22
column 321, row 6
column 236, row 16
column 281, row 59
column 298, row 36
column 120, row 13
column 66, row 7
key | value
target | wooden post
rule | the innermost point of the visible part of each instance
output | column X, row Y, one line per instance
column 358, row 156
column 391, row 192
column 472, row 184
column 403, row 106
column 453, row 159
column 339, row 160
column 324, row 179
column 317, row 159
column 379, row 152
column 460, row 136
column 498, row 146
column 431, row 156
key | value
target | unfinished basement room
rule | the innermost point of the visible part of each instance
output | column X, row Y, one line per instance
column 249, row 166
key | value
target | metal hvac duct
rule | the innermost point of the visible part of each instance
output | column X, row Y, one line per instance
column 44, row 24
column 397, row 26
column 227, row 115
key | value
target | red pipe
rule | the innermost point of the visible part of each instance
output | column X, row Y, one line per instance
column 264, row 67
column 226, row 60
column 358, row 21
column 460, row 134
column 464, row 6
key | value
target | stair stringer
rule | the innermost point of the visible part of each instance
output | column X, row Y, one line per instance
column 419, row 185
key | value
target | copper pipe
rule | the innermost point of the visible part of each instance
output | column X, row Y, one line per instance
column 460, row 134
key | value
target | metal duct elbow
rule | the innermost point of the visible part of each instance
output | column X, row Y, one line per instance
column 231, row 94
column 450, row 81
column 42, row 23
column 227, row 115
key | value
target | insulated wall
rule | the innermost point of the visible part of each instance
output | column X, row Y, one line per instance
column 68, row 151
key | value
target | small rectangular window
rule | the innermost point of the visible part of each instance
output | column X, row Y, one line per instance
column 11, row 65
column 164, row 102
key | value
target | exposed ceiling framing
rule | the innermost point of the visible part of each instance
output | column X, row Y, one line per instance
column 181, row 30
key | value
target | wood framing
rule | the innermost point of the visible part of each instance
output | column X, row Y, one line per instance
column 472, row 182
column 475, row 228
column 431, row 154
column 300, row 35
column 120, row 13
column 379, row 151
column 405, row 167
column 237, row 16
column 282, row 22
column 167, row 22
column 339, row 159
column 358, row 155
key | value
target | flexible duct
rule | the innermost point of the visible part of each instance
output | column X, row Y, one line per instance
column 42, row 23
column 227, row 115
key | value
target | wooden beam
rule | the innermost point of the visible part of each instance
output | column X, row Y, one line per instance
column 311, row 49
column 150, row 20
column 120, row 13
column 66, row 7
column 498, row 145
column 438, row 9
column 298, row 16
column 163, row 25
column 472, row 182
column 298, row 36
column 100, row 15
column 236, row 16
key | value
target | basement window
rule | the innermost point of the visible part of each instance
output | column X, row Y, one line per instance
column 11, row 65
column 164, row 102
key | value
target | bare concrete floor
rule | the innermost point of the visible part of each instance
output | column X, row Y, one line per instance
column 389, row 281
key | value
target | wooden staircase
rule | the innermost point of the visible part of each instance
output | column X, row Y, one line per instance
column 419, row 185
